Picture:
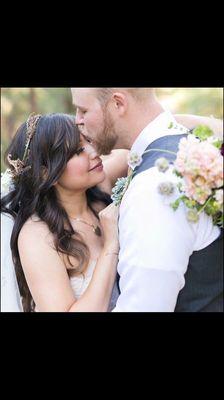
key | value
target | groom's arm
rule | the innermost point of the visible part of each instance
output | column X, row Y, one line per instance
column 191, row 121
column 156, row 244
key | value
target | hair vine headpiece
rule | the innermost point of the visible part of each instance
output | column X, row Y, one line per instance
column 18, row 165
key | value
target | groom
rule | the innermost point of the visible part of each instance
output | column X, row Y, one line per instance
column 166, row 263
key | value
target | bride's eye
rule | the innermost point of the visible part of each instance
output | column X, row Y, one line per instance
column 79, row 151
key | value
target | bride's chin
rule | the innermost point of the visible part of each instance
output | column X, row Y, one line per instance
column 103, row 176
column 100, row 178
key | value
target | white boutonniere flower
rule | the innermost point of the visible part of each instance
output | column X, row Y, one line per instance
column 134, row 160
column 6, row 182
column 122, row 184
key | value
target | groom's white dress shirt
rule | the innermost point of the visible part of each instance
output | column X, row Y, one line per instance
column 155, row 241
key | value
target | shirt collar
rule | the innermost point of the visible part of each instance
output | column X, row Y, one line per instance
column 163, row 125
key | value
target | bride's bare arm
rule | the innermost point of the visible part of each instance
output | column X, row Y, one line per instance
column 115, row 166
column 191, row 121
column 47, row 276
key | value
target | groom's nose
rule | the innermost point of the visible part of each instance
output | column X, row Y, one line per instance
column 79, row 120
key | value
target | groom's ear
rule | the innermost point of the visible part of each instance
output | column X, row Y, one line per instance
column 120, row 102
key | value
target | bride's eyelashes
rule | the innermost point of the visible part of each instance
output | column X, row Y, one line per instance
column 79, row 151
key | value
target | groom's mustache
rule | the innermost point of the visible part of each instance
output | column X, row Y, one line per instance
column 81, row 128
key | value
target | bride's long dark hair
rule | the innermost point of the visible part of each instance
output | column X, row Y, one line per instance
column 54, row 143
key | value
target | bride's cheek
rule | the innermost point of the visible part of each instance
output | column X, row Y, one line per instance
column 76, row 168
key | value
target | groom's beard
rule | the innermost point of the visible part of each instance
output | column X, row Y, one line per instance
column 107, row 138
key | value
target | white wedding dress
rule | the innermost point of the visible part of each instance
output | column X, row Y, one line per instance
column 10, row 296
column 80, row 283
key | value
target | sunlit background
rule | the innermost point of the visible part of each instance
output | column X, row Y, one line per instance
column 18, row 103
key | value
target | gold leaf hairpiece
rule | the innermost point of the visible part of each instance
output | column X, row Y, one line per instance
column 19, row 165
column 31, row 125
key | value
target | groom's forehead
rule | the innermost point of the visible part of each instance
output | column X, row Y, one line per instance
column 82, row 95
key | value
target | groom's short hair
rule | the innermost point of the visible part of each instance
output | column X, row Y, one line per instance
column 139, row 94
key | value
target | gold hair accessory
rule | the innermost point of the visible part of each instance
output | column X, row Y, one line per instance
column 18, row 165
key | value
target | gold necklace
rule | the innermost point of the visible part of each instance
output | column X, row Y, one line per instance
column 96, row 229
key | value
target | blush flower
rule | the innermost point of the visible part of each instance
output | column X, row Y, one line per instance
column 199, row 165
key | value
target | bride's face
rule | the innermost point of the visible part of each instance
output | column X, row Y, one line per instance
column 84, row 170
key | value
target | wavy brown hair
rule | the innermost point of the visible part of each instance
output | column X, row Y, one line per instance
column 55, row 142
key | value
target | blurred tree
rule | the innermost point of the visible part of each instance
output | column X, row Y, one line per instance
column 199, row 101
column 18, row 103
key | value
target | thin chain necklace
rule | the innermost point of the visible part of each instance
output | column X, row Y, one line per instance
column 96, row 228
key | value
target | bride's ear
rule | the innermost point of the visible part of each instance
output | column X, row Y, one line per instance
column 44, row 175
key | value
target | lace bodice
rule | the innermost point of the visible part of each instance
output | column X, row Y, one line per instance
column 80, row 283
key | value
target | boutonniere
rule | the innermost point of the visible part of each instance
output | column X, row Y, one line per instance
column 122, row 184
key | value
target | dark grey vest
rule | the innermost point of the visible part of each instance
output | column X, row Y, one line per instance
column 203, row 290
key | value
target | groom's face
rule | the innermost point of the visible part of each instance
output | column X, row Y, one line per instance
column 94, row 121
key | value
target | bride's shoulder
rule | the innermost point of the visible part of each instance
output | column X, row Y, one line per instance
column 34, row 229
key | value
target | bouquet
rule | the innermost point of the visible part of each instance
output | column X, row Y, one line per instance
column 199, row 167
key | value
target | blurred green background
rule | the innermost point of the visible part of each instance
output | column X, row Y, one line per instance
column 18, row 103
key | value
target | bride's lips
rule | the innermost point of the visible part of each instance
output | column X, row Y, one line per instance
column 97, row 167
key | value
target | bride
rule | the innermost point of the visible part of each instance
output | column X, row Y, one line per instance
column 58, row 209
column 59, row 228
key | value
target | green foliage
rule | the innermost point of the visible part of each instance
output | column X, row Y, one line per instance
column 202, row 132
column 218, row 143
column 18, row 103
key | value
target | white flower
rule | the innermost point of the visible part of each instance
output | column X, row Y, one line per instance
column 6, row 182
column 219, row 196
column 134, row 160
column 192, row 216
column 166, row 188
column 162, row 164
